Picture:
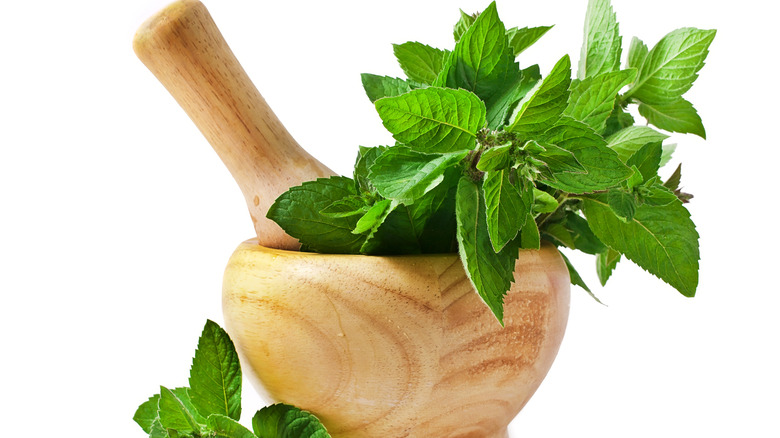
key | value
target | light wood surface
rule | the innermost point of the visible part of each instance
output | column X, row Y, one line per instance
column 184, row 49
column 394, row 346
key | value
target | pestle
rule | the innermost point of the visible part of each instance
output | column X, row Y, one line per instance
column 182, row 46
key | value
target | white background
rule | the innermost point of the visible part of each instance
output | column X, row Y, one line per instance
column 117, row 218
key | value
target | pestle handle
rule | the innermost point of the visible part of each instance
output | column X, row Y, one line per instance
column 183, row 48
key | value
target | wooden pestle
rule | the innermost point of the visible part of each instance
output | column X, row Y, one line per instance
column 183, row 48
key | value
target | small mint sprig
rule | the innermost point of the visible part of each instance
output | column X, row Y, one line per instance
column 211, row 406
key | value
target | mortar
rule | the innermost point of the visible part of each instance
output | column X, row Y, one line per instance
column 375, row 346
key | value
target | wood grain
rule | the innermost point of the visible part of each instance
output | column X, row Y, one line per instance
column 184, row 49
column 394, row 346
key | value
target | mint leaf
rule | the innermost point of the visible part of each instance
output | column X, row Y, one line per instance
column 158, row 431
column 673, row 183
column 146, row 414
column 501, row 104
column 604, row 168
column 559, row 234
column 647, row 160
column 405, row 175
column 583, row 238
column 623, row 204
column 481, row 61
column 677, row 116
column 174, row 414
column 575, row 278
column 463, row 24
column 374, row 217
column 365, row 159
column 666, row 153
column 605, row 264
column 602, row 46
column 544, row 202
column 628, row 141
column 349, row 206
column 619, row 119
column 593, row 99
column 433, row 119
column 491, row 273
column 529, row 234
column 297, row 211
column 521, row 39
column 285, row 421
column 637, row 53
column 378, row 87
column 544, row 104
column 670, row 67
column 558, row 159
column 215, row 376
column 660, row 239
column 496, row 158
column 420, row 62
column 507, row 203
column 226, row 427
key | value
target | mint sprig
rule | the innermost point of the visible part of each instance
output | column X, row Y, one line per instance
column 211, row 406
column 491, row 158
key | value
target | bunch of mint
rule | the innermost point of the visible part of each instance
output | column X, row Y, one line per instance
column 491, row 158
column 211, row 406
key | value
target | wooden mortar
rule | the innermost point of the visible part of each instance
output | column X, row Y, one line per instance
column 376, row 346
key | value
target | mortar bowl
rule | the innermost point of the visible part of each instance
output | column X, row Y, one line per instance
column 394, row 346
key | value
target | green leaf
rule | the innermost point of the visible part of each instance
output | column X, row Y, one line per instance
column 623, row 204
column 583, row 238
column 559, row 234
column 647, row 160
column 433, row 119
column 593, row 99
column 158, row 431
column 463, row 24
column 521, row 39
column 146, row 414
column 481, row 61
column 558, row 159
column 174, row 414
column 226, row 427
column 666, row 153
column 605, row 264
column 628, row 141
column 634, row 180
column 507, row 203
column 363, row 162
column 496, row 158
column 619, row 119
column 604, row 168
column 678, row 116
column 378, row 87
column 405, row 175
column 349, row 206
column 215, row 376
column 501, row 104
column 602, row 46
column 671, row 67
column 297, row 211
column 660, row 239
column 374, row 217
column 544, row 104
column 285, row 421
column 576, row 279
column 637, row 53
column 491, row 273
column 420, row 62
column 529, row 234
column 673, row 183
